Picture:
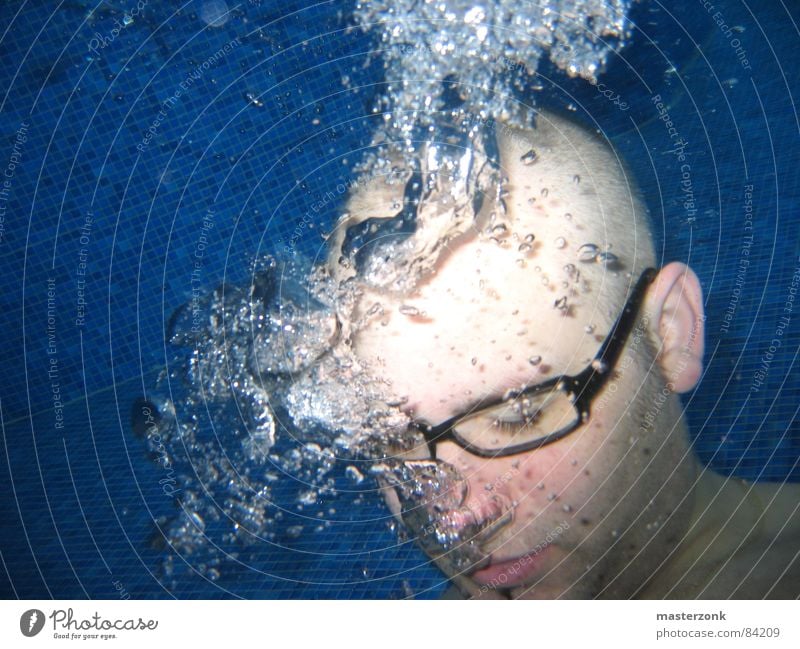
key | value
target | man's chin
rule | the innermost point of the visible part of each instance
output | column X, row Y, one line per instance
column 473, row 590
column 547, row 589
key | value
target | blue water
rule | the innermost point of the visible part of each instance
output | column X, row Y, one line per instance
column 251, row 139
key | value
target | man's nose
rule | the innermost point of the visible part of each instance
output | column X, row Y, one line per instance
column 465, row 462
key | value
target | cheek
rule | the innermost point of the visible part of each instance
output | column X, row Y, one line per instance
column 561, row 479
column 547, row 481
column 567, row 479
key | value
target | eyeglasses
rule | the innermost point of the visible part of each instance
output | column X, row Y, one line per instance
column 533, row 417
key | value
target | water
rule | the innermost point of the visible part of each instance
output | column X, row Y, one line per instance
column 267, row 360
column 254, row 476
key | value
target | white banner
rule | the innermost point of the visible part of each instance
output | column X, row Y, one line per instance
column 154, row 624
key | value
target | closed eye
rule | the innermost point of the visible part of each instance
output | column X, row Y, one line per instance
column 513, row 422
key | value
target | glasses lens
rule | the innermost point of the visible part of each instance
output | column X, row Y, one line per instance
column 519, row 421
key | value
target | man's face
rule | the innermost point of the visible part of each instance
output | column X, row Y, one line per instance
column 496, row 315
column 491, row 325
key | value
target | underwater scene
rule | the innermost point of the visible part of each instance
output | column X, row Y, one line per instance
column 408, row 299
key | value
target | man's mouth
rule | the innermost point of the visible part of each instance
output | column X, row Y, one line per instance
column 431, row 498
column 511, row 572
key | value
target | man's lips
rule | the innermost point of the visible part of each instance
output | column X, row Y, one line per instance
column 510, row 573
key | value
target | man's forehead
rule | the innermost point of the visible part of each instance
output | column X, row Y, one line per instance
column 481, row 325
column 531, row 291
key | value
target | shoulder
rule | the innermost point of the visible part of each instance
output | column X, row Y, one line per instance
column 749, row 551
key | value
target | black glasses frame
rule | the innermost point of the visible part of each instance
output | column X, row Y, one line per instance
column 581, row 388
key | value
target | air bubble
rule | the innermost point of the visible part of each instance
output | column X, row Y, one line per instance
column 294, row 531
column 214, row 13
column 560, row 242
column 535, row 360
column 253, row 99
column 354, row 475
column 607, row 258
column 197, row 520
column 528, row 158
column 576, row 179
column 588, row 252
column 307, row 497
column 407, row 309
column 545, row 192
column 589, row 329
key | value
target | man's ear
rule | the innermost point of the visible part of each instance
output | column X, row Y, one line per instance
column 675, row 308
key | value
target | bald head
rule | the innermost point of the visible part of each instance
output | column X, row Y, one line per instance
column 515, row 274
column 509, row 289
column 569, row 187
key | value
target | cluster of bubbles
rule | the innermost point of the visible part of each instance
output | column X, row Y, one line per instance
column 265, row 385
column 484, row 50
column 417, row 205
column 432, row 497
column 258, row 376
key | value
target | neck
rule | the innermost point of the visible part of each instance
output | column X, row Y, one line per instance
column 718, row 502
column 724, row 517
